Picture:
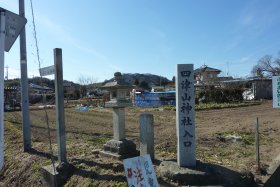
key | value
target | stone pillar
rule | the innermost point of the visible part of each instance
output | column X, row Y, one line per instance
column 147, row 134
column 119, row 147
column 185, row 115
column 119, row 123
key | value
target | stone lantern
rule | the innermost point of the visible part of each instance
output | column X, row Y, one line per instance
column 118, row 92
column 119, row 147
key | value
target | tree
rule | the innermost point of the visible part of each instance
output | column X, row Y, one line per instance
column 144, row 85
column 86, row 84
column 267, row 66
column 117, row 74
column 83, row 91
column 136, row 82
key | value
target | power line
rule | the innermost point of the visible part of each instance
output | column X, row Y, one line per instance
column 35, row 35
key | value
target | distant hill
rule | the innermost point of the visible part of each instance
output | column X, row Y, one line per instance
column 137, row 78
column 132, row 78
column 49, row 83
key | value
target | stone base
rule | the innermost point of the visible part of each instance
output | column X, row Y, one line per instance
column 188, row 176
column 205, row 174
column 57, row 177
column 120, row 149
column 273, row 173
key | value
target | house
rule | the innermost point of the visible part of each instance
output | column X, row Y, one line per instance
column 157, row 88
column 170, row 86
column 36, row 89
column 261, row 87
column 206, row 74
column 254, row 87
column 12, row 98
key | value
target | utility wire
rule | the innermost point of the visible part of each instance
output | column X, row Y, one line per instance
column 44, row 94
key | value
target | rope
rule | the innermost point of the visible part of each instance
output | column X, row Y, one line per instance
column 44, row 102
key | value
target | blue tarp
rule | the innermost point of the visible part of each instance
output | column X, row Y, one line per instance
column 83, row 108
column 155, row 99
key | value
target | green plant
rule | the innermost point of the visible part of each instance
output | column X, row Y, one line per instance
column 98, row 141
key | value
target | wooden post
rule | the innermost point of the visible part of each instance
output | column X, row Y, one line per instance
column 257, row 145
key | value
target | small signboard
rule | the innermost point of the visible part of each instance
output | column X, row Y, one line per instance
column 47, row 71
column 139, row 171
column 14, row 24
column 276, row 91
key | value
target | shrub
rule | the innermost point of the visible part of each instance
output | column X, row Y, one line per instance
column 220, row 95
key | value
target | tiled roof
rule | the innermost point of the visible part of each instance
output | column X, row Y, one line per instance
column 205, row 69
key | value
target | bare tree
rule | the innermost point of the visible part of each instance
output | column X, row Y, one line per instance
column 267, row 66
column 86, row 84
column 86, row 80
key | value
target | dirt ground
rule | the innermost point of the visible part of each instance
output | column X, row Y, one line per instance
column 87, row 131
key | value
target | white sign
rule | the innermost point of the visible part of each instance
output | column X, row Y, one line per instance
column 276, row 91
column 14, row 25
column 139, row 171
column 47, row 70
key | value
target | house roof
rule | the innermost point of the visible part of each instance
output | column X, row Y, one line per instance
column 250, row 79
column 205, row 68
column 35, row 86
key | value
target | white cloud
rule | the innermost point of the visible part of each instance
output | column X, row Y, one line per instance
column 114, row 67
column 245, row 59
column 60, row 33
column 92, row 52
column 158, row 33
column 247, row 20
column 254, row 21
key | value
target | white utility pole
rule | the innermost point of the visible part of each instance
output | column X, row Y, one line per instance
column 10, row 27
column 24, row 85
column 7, row 73
column 2, row 48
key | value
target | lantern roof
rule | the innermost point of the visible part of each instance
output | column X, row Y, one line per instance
column 118, row 82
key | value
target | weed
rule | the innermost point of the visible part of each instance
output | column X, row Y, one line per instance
column 169, row 108
column 208, row 106
column 12, row 118
column 98, row 141
column 120, row 184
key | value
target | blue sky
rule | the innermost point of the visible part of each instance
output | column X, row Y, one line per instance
column 100, row 37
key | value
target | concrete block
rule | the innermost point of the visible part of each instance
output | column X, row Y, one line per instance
column 55, row 177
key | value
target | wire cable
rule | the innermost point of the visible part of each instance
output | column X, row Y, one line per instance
column 44, row 94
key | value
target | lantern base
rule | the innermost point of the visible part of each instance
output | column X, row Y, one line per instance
column 120, row 149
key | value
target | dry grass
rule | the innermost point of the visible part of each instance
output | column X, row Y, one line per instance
column 87, row 131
